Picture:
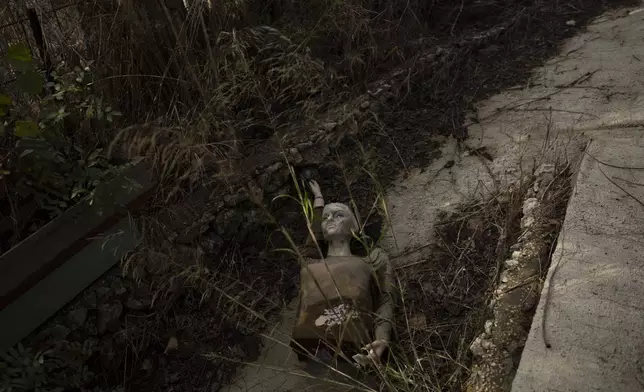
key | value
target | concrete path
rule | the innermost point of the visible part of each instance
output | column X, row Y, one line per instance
column 592, row 305
column 596, row 82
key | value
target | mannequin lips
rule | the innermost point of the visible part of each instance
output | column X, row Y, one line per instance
column 330, row 227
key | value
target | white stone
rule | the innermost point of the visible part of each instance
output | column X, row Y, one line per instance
column 488, row 326
column 529, row 205
column 511, row 263
column 527, row 221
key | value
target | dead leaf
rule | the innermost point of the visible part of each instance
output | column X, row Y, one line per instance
column 418, row 322
column 173, row 345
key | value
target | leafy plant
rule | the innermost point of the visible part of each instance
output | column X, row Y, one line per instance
column 56, row 155
column 23, row 370
column 53, row 370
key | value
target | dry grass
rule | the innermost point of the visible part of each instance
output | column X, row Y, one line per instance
column 445, row 296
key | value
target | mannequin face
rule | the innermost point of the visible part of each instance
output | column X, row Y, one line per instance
column 338, row 222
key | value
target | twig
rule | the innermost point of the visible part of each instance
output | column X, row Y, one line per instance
column 564, row 170
column 552, row 110
column 621, row 188
column 546, row 302
column 451, row 32
column 614, row 166
column 629, row 182
column 509, row 107
column 521, row 284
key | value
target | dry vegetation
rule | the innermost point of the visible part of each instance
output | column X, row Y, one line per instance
column 446, row 296
column 201, row 87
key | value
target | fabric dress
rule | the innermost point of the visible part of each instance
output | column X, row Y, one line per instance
column 344, row 302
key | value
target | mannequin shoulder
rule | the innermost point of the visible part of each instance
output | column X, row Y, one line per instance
column 377, row 257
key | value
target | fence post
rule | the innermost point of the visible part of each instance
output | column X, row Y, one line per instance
column 36, row 29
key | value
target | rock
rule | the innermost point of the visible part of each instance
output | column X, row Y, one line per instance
column 118, row 287
column 486, row 344
column 236, row 198
column 102, row 293
column 375, row 93
column 273, row 177
column 188, row 255
column 476, row 347
column 418, row 322
column 56, row 333
column 108, row 317
column 303, row 146
column 224, row 222
column 329, row 126
column 90, row 299
column 147, row 364
column 275, row 167
column 77, row 317
column 211, row 243
column 173, row 345
column 530, row 302
column 172, row 378
column 527, row 221
column 488, row 327
column 375, row 107
column 294, row 156
column 529, row 206
column 134, row 304
column 511, row 263
column 191, row 233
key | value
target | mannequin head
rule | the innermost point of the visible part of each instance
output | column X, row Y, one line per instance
column 338, row 222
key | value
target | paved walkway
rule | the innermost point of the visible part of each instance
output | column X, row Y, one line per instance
column 594, row 302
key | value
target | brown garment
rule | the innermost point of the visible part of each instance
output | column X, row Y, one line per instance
column 365, row 283
column 336, row 304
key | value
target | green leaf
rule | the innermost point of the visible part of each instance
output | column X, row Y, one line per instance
column 19, row 52
column 26, row 152
column 4, row 102
column 27, row 129
column 30, row 82
column 19, row 56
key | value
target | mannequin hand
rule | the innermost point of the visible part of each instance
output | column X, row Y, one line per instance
column 315, row 188
column 375, row 349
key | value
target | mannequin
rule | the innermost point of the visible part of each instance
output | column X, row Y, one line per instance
column 346, row 301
